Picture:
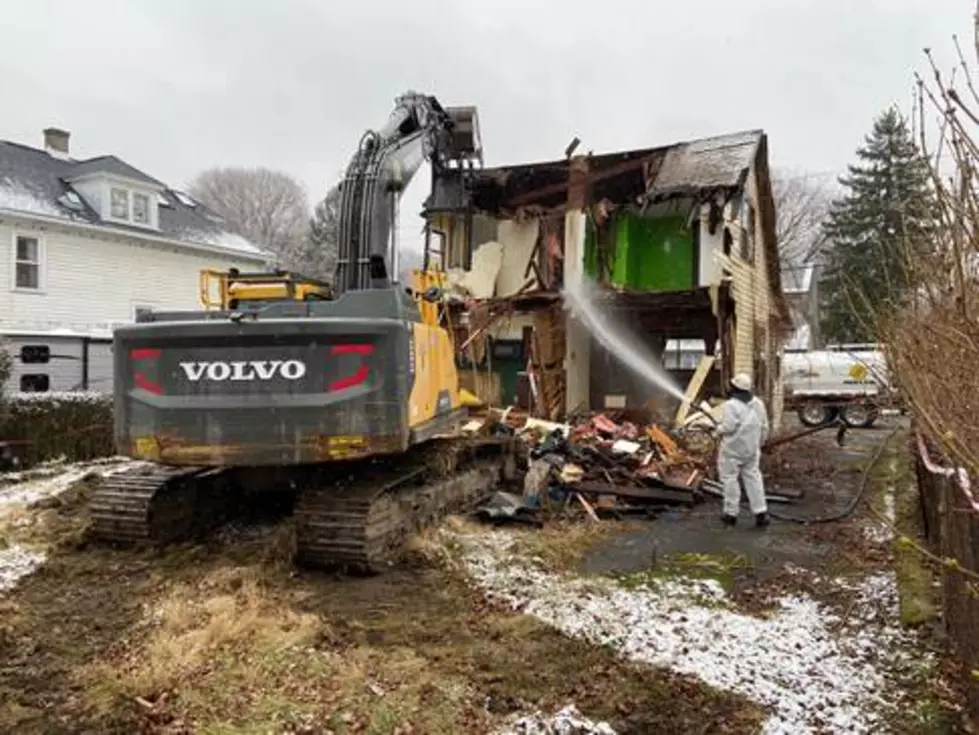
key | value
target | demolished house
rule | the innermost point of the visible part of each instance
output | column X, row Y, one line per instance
column 680, row 240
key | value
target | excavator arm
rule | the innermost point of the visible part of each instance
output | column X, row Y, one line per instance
column 385, row 162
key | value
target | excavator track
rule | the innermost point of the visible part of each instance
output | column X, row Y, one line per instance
column 362, row 523
column 356, row 517
column 159, row 504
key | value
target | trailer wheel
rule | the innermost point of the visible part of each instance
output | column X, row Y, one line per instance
column 859, row 415
column 815, row 413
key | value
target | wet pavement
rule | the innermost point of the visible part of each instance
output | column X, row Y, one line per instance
column 829, row 477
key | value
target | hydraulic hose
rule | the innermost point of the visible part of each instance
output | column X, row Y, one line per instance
column 851, row 506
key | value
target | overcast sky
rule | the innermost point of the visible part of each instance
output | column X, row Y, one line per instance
column 175, row 87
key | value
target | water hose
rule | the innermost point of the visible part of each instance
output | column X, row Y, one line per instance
column 851, row 506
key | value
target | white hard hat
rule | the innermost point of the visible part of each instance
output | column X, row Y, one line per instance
column 741, row 381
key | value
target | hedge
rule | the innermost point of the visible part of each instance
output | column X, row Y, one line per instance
column 46, row 426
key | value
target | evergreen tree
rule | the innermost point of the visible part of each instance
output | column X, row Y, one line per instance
column 889, row 207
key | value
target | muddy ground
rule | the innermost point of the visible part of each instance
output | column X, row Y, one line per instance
column 818, row 474
column 224, row 636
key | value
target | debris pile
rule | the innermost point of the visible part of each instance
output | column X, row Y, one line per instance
column 600, row 464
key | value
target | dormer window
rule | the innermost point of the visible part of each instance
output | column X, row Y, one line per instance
column 120, row 203
column 141, row 209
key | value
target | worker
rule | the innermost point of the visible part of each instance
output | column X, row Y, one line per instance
column 743, row 430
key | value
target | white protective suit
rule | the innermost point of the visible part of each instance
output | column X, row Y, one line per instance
column 743, row 429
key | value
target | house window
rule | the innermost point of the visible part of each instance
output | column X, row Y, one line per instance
column 35, row 383
column 27, row 265
column 120, row 203
column 141, row 209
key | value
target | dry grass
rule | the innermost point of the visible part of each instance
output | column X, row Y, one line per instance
column 54, row 523
column 560, row 545
column 227, row 613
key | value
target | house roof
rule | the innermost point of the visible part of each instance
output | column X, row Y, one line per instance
column 110, row 165
column 688, row 168
column 34, row 183
column 700, row 169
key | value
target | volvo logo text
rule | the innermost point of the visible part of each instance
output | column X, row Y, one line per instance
column 244, row 370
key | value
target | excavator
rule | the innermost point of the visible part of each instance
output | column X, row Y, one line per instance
column 344, row 395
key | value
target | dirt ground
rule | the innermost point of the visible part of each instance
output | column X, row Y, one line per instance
column 224, row 636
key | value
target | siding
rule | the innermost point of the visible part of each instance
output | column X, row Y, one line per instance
column 90, row 284
column 754, row 307
column 65, row 370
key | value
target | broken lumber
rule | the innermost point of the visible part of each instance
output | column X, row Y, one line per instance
column 649, row 494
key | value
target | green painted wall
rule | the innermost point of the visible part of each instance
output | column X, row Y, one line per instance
column 651, row 254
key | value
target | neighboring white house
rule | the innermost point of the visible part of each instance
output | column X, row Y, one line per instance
column 89, row 243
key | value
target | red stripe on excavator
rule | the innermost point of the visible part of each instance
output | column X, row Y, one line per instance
column 146, row 384
column 352, row 350
column 351, row 380
column 145, row 353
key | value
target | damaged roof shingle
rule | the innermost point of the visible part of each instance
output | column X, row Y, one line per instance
column 721, row 162
column 688, row 168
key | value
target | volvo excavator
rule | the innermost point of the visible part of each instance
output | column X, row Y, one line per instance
column 345, row 395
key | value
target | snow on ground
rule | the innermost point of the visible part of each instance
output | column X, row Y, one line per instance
column 881, row 530
column 26, row 488
column 812, row 668
column 16, row 562
column 568, row 721
column 52, row 479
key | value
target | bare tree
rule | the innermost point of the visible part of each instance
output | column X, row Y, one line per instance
column 801, row 205
column 315, row 254
column 267, row 207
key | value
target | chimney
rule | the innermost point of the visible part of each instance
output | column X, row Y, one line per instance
column 56, row 142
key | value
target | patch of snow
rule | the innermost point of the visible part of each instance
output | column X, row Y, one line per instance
column 221, row 239
column 17, row 197
column 881, row 530
column 47, row 481
column 16, row 562
column 48, row 329
column 47, row 397
column 813, row 669
column 568, row 721
column 186, row 199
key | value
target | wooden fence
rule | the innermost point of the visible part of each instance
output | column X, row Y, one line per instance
column 952, row 532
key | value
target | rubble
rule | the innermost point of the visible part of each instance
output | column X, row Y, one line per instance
column 609, row 464
column 600, row 465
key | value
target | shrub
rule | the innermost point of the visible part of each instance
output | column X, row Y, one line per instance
column 75, row 426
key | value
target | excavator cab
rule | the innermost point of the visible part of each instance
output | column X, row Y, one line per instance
column 233, row 290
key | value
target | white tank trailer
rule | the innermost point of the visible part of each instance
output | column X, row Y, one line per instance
column 849, row 381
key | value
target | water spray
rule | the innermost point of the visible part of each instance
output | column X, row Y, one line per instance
column 579, row 300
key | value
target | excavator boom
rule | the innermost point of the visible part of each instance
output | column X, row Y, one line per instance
column 385, row 162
